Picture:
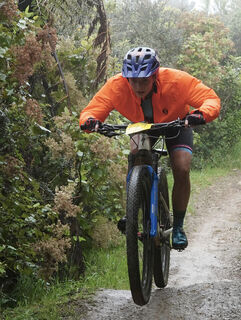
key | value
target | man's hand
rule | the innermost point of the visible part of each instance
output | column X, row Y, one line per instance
column 92, row 124
column 194, row 119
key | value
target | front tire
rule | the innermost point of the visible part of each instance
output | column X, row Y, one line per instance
column 138, row 240
column 162, row 249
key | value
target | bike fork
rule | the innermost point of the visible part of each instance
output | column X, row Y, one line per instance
column 156, row 231
column 153, row 202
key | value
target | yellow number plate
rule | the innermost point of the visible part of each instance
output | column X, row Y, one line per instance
column 138, row 127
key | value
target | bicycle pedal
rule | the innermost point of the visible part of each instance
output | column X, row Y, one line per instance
column 179, row 249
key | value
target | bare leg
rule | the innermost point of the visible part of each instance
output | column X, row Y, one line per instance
column 180, row 162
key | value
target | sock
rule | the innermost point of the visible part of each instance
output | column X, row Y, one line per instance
column 178, row 218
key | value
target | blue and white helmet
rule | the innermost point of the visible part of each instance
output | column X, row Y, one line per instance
column 140, row 62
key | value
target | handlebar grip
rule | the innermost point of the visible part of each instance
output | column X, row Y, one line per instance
column 83, row 127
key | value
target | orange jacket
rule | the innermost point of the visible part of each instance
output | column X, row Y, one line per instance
column 176, row 92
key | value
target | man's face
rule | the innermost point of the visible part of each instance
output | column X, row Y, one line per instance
column 142, row 86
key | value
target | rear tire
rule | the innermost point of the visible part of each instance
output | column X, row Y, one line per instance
column 162, row 249
column 138, row 240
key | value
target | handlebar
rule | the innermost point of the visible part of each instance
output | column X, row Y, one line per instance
column 110, row 130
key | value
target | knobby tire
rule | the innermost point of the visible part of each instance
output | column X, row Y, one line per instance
column 139, row 243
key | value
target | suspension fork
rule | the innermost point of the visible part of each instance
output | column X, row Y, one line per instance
column 153, row 199
column 153, row 202
column 155, row 231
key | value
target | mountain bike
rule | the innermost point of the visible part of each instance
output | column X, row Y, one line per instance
column 148, row 219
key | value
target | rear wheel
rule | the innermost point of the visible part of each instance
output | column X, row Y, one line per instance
column 162, row 249
column 138, row 240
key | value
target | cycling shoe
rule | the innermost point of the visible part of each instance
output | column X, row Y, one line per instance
column 121, row 225
column 179, row 238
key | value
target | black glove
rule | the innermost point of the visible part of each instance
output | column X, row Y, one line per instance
column 90, row 124
column 195, row 118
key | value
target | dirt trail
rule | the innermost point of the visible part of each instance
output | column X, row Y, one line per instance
column 204, row 281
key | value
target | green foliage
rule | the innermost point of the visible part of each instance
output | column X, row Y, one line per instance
column 207, row 54
column 106, row 268
column 105, row 233
column 206, row 46
column 102, row 175
column 145, row 23
column 225, row 134
column 228, row 88
column 87, row 18
column 79, row 58
column 26, row 215
column 230, row 13
column 40, row 168
column 233, row 20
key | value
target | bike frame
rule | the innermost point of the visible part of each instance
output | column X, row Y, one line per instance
column 141, row 141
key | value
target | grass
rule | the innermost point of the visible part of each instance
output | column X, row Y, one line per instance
column 105, row 268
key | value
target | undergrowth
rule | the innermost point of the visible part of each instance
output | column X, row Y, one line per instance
column 105, row 267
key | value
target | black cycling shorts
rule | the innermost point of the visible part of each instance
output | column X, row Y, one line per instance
column 179, row 139
column 176, row 139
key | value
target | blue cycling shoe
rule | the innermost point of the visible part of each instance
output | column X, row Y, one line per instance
column 179, row 238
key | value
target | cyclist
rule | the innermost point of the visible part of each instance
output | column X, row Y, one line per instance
column 147, row 92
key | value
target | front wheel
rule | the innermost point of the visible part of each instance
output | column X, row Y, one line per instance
column 162, row 249
column 138, row 240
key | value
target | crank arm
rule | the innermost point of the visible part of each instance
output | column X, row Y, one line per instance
column 165, row 234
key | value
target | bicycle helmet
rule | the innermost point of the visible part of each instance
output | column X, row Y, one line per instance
column 140, row 62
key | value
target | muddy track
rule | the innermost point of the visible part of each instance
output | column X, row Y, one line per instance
column 204, row 281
